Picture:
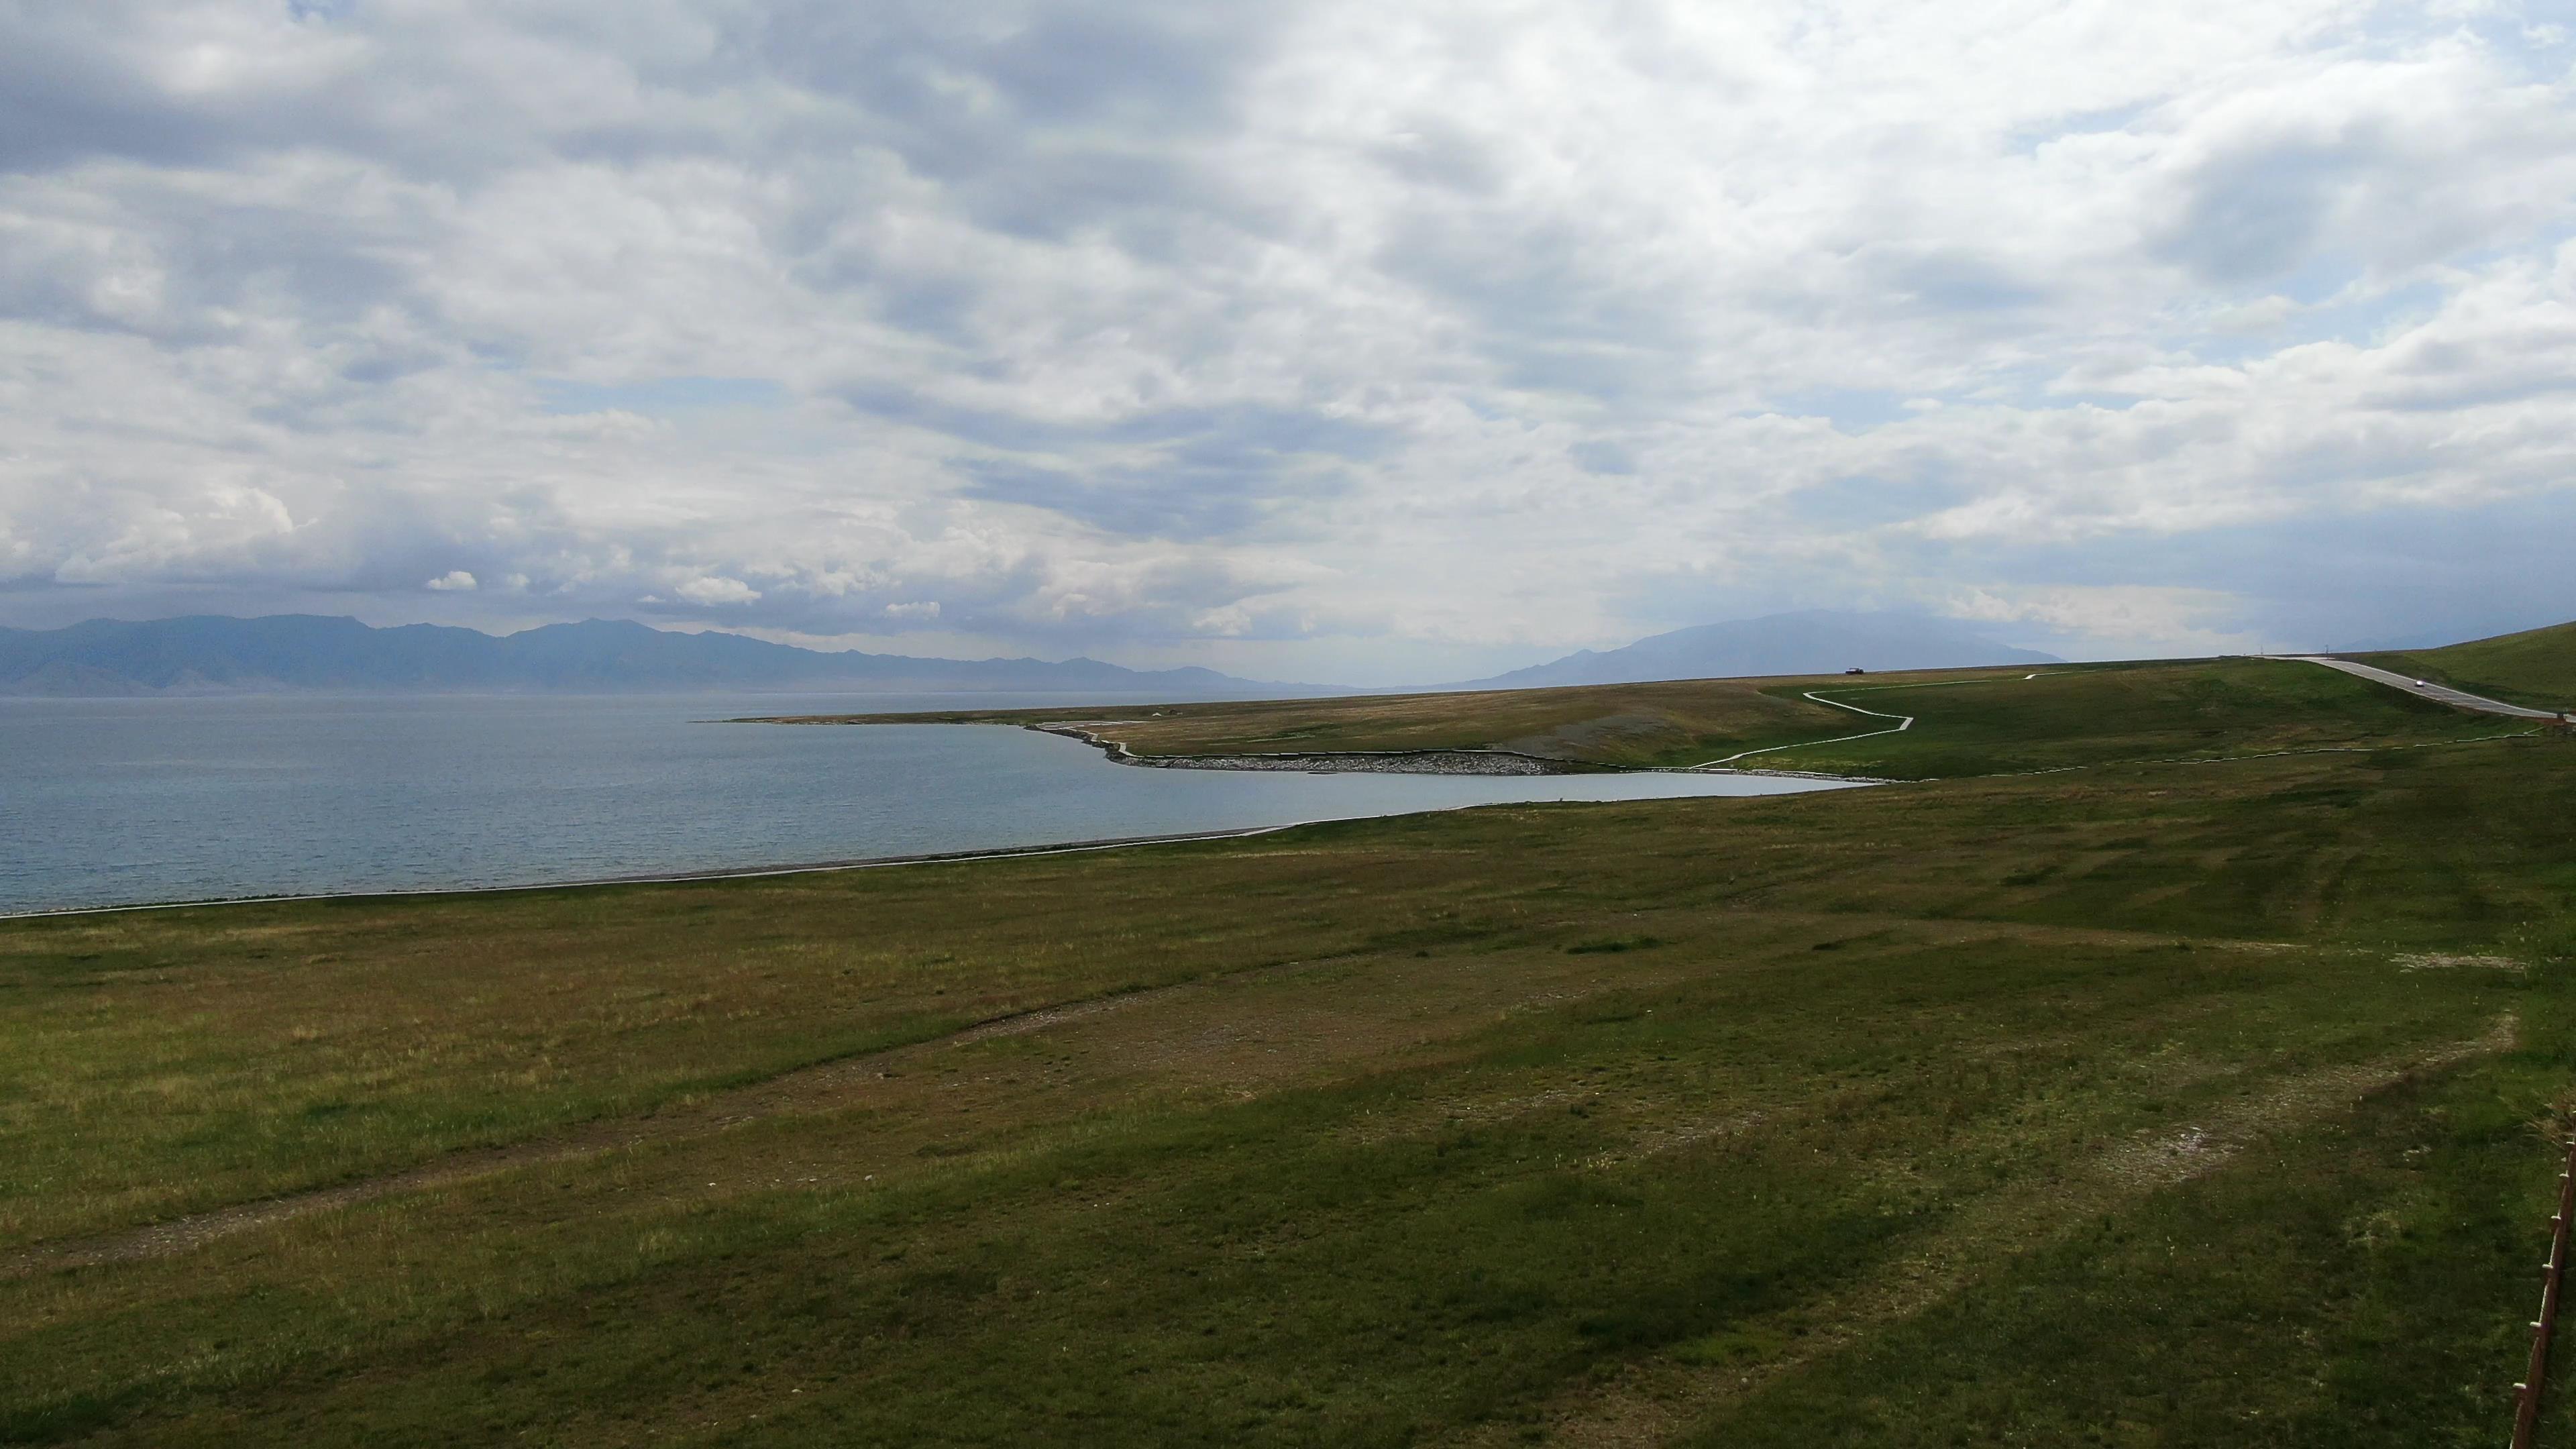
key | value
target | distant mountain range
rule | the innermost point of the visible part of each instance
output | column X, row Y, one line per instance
column 1816, row 641
column 216, row 655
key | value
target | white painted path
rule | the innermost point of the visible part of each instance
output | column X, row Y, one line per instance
column 1903, row 722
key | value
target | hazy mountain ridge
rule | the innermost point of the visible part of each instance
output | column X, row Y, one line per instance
column 1813, row 641
column 213, row 654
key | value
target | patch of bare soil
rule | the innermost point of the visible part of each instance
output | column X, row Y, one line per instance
column 1674, row 1136
column 2437, row 961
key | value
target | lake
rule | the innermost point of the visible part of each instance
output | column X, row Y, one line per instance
column 134, row 801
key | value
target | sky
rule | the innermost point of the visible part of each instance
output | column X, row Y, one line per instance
column 1352, row 342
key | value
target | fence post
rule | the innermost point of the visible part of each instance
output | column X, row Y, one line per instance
column 2526, row 1414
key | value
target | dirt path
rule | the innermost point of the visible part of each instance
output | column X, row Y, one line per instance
column 831, row 1085
column 1653, row 1402
column 806, row 1089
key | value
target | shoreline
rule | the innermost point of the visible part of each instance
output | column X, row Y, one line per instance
column 1495, row 763
column 1489, row 763
column 1439, row 762
column 853, row 863
column 685, row 877
column 1458, row 761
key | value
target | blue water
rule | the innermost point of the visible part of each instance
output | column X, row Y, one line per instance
column 124, row 802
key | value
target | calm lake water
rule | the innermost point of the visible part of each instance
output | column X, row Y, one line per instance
column 129, row 801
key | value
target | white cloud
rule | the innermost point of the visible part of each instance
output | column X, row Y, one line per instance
column 716, row 591
column 925, row 609
column 2126, row 612
column 453, row 581
column 1232, row 620
column 1352, row 333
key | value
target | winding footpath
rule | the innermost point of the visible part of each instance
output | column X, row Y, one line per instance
column 1903, row 723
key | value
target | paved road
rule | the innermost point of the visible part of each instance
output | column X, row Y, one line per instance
column 2438, row 693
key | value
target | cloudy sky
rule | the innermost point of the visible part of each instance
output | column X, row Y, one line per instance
column 1363, row 342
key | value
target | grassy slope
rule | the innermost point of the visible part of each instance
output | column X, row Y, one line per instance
column 2041, row 1110
column 1619, row 724
column 160, row 1064
column 2536, row 667
column 2127, row 712
column 1972, row 722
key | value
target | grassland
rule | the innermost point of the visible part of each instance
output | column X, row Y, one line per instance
column 1968, row 722
column 2101, row 714
column 2173, row 1104
column 2536, row 668
column 1680, row 722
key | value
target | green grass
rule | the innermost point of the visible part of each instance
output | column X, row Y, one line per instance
column 158, row 1063
column 1674, row 722
column 2536, row 668
column 2394, row 1237
column 1968, row 722
column 2111, row 1106
column 2097, row 714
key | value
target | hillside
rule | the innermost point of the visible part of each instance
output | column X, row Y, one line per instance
column 213, row 654
column 1968, row 722
column 2536, row 667
column 1673, row 722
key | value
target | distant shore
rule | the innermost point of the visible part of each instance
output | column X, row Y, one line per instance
column 1497, row 763
column 1312, row 762
column 1339, row 762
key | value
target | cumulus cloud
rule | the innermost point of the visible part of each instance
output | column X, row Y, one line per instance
column 717, row 591
column 1317, row 337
